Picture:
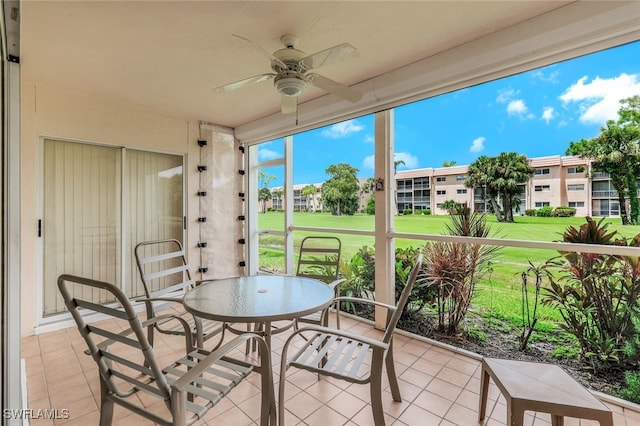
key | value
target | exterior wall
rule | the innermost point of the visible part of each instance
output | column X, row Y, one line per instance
column 560, row 181
column 58, row 113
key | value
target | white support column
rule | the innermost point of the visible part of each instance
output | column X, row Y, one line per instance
column 11, row 386
column 288, row 196
column 384, row 220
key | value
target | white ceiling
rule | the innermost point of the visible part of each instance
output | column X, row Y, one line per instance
column 168, row 55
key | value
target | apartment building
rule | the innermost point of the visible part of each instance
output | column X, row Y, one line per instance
column 307, row 202
column 557, row 181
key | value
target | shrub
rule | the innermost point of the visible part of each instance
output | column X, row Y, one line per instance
column 632, row 391
column 426, row 211
column 564, row 211
column 454, row 269
column 452, row 206
column 545, row 211
column 530, row 212
column 416, row 211
column 407, row 211
column 597, row 294
column 420, row 295
column 359, row 273
column 370, row 208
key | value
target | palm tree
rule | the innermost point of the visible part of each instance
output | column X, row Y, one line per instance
column 480, row 175
column 309, row 191
column 449, row 163
column 512, row 170
column 277, row 194
column 500, row 176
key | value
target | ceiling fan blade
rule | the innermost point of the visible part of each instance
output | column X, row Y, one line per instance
column 289, row 104
column 334, row 87
column 262, row 51
column 329, row 56
column 245, row 82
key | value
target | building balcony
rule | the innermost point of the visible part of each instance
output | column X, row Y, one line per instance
column 604, row 194
column 439, row 384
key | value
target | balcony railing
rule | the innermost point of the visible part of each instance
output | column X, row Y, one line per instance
column 600, row 175
column 604, row 194
column 606, row 213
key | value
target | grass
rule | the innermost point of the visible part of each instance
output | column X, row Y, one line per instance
column 498, row 294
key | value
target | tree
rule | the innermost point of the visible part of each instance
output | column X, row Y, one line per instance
column 309, row 191
column 452, row 206
column 277, row 194
column 616, row 151
column 500, row 176
column 340, row 191
column 264, row 193
column 449, row 163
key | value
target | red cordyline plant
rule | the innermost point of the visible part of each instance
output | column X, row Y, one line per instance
column 454, row 268
column 596, row 294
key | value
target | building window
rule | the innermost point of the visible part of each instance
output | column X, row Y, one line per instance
column 461, row 177
column 441, row 192
column 576, row 187
column 542, row 171
column 573, row 170
column 542, row 204
column 441, row 179
column 542, row 188
column 439, row 205
column 461, row 191
column 576, row 203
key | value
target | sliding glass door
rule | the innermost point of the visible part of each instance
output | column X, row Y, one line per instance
column 98, row 202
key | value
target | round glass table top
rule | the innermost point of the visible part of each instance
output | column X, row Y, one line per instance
column 258, row 298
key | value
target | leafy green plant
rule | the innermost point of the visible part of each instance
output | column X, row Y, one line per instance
column 596, row 294
column 426, row 212
column 407, row 212
column 420, row 295
column 530, row 212
column 544, row 211
column 530, row 308
column 359, row 274
column 563, row 211
column 566, row 352
column 632, row 391
column 453, row 269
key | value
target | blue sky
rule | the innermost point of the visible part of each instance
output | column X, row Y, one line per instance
column 537, row 113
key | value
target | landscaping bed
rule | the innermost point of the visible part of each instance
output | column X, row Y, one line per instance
column 497, row 338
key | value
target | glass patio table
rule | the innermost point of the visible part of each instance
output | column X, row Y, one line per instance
column 258, row 299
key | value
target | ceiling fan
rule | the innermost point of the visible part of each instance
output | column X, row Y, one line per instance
column 291, row 76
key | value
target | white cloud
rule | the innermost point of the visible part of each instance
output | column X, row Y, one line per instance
column 548, row 114
column 267, row 154
column 369, row 139
column 505, row 95
column 341, row 130
column 517, row 107
column 369, row 162
column 599, row 100
column 552, row 77
column 478, row 144
column 410, row 161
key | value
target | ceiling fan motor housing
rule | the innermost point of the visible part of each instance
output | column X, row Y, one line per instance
column 290, row 84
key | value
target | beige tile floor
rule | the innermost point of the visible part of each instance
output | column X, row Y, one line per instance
column 438, row 385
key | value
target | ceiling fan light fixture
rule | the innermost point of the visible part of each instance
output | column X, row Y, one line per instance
column 291, row 85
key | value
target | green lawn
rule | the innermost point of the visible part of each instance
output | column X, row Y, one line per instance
column 498, row 294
